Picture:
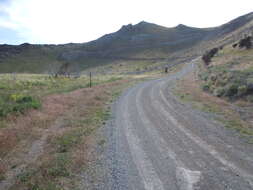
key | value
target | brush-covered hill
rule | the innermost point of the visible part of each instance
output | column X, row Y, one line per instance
column 133, row 40
column 141, row 42
column 229, row 73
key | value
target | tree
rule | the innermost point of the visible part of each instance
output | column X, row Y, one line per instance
column 245, row 42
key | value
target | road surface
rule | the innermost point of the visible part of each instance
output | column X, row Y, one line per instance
column 158, row 143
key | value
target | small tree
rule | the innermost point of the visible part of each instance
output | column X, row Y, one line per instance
column 63, row 70
column 234, row 45
column 245, row 42
column 209, row 55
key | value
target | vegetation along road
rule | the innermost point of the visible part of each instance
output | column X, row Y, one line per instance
column 158, row 143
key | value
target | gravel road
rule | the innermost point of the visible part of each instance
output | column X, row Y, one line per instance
column 158, row 143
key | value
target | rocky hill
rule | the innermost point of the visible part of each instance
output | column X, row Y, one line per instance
column 143, row 41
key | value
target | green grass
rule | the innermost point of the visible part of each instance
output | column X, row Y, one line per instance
column 237, row 125
column 17, row 103
column 2, row 177
column 65, row 142
column 59, row 167
column 35, row 59
column 69, row 139
column 21, row 92
column 25, row 176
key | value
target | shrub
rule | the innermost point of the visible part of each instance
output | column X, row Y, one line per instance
column 250, row 84
column 209, row 55
column 204, row 76
column 242, row 90
column 221, row 81
column 18, row 103
column 245, row 42
column 219, row 91
column 250, row 98
column 59, row 166
column 205, row 86
column 22, row 107
column 234, row 45
column 231, row 90
column 213, row 77
column 3, row 112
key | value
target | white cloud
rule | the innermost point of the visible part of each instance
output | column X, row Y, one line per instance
column 63, row 21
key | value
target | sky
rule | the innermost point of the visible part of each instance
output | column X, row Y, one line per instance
column 77, row 21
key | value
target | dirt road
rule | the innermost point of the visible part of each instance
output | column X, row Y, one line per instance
column 158, row 143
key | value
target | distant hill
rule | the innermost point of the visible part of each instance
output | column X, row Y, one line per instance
column 143, row 41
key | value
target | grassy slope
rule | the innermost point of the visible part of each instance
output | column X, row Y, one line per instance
column 143, row 41
column 230, row 74
column 34, row 59
column 230, row 68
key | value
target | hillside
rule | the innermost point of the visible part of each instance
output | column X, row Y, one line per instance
column 223, row 88
column 229, row 74
column 141, row 42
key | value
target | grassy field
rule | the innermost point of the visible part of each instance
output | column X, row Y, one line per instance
column 48, row 126
column 19, row 92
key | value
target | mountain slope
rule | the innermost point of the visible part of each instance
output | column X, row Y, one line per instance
column 143, row 41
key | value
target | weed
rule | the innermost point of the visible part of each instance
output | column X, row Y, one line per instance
column 101, row 142
column 250, row 98
column 25, row 176
column 48, row 186
column 59, row 166
column 238, row 126
column 2, row 177
column 71, row 138
column 66, row 141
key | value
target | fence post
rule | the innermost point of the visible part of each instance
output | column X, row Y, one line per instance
column 90, row 79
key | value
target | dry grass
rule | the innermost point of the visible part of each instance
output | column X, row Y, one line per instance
column 189, row 90
column 239, row 59
column 48, row 148
column 65, row 129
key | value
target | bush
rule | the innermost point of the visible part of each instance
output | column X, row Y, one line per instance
column 204, row 76
column 205, row 87
column 209, row 55
column 18, row 98
column 231, row 90
column 250, row 84
column 4, row 112
column 221, row 81
column 213, row 77
column 59, row 166
column 22, row 107
column 245, row 42
column 250, row 98
column 234, row 45
column 219, row 92
column 242, row 90
column 18, row 103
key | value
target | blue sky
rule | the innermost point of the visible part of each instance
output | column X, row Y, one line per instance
column 65, row 21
